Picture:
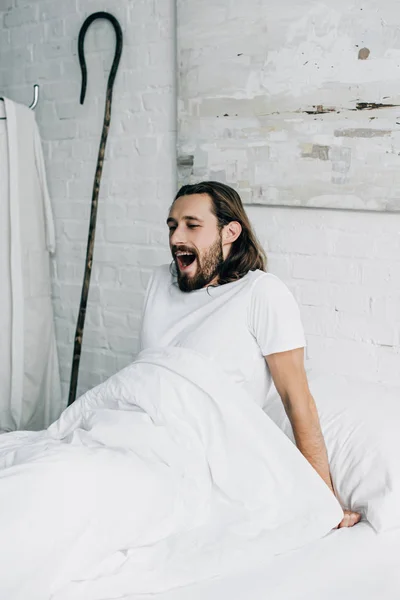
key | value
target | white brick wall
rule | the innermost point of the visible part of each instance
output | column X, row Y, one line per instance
column 344, row 267
column 38, row 44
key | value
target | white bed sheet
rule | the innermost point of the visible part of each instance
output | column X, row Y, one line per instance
column 348, row 564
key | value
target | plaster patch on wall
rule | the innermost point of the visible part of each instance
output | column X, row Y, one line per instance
column 362, row 133
column 315, row 151
column 279, row 104
column 363, row 53
column 186, row 161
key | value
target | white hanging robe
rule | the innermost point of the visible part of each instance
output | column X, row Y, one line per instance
column 30, row 395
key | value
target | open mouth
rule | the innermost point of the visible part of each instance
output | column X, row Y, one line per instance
column 185, row 259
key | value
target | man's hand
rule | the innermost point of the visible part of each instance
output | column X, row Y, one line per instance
column 350, row 518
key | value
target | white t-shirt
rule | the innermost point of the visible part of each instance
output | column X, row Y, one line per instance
column 235, row 325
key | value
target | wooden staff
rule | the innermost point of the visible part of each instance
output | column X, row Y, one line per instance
column 96, row 185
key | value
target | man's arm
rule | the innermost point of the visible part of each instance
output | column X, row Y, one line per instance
column 290, row 379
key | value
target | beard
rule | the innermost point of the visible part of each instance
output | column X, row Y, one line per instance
column 208, row 267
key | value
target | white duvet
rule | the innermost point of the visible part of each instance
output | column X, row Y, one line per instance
column 165, row 474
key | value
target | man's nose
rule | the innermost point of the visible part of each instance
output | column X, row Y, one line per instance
column 177, row 236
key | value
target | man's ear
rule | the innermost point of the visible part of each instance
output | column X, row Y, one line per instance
column 231, row 232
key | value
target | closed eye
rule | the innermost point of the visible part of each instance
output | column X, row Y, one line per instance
column 172, row 228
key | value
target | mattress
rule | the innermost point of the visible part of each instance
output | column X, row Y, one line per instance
column 348, row 564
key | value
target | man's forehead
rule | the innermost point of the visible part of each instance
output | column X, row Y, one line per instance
column 194, row 207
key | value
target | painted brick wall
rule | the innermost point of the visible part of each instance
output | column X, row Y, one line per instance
column 38, row 44
column 344, row 267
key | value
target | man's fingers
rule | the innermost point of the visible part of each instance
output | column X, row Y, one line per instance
column 344, row 522
column 350, row 518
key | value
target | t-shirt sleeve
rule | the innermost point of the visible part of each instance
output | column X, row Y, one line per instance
column 274, row 316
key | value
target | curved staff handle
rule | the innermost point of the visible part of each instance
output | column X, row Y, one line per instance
column 96, row 185
column 35, row 96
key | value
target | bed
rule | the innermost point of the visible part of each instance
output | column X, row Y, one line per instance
column 239, row 514
column 348, row 564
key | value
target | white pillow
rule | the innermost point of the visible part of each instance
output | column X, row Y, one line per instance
column 361, row 427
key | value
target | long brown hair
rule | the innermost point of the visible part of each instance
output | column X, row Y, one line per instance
column 246, row 253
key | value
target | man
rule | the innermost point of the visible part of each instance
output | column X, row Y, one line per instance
column 217, row 299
